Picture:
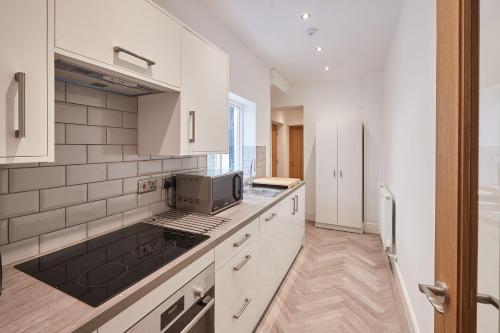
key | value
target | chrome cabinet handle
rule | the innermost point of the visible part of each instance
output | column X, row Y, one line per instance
column 294, row 199
column 243, row 308
column 243, row 240
column 296, row 203
column 20, row 77
column 192, row 116
column 267, row 219
column 334, row 173
column 438, row 295
column 487, row 299
column 243, row 263
column 340, row 174
column 118, row 49
column 209, row 301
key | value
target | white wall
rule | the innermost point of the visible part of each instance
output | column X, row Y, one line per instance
column 357, row 98
column 286, row 118
column 410, row 141
column 248, row 76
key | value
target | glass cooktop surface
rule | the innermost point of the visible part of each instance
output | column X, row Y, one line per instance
column 98, row 269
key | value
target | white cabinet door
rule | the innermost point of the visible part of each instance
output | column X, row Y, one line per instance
column 350, row 187
column 327, row 173
column 93, row 28
column 26, row 37
column 204, row 95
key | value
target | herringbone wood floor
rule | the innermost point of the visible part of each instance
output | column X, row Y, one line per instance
column 340, row 282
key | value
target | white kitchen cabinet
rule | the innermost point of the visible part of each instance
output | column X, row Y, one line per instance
column 193, row 121
column 243, row 314
column 26, row 36
column 133, row 37
column 339, row 176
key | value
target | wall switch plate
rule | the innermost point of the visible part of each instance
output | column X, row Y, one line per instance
column 147, row 185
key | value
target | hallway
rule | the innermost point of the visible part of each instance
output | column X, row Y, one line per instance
column 340, row 282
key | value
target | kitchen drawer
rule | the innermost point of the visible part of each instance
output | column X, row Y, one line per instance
column 236, row 276
column 243, row 314
column 269, row 220
column 227, row 249
column 93, row 28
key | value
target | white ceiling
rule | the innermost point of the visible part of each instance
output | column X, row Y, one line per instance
column 355, row 34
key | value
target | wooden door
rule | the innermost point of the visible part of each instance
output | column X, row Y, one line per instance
column 275, row 149
column 296, row 152
column 350, row 181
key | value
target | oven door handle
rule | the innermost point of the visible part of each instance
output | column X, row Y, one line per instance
column 210, row 301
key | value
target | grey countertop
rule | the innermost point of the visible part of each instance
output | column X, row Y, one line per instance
column 27, row 304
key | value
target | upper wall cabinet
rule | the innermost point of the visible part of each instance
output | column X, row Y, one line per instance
column 130, row 36
column 26, row 81
column 194, row 121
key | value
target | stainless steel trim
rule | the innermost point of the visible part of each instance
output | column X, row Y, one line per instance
column 487, row 299
column 197, row 318
column 118, row 49
column 243, row 240
column 20, row 77
column 242, row 263
column 192, row 116
column 267, row 219
column 240, row 313
column 438, row 295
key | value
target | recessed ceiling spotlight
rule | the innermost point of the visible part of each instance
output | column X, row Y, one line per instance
column 306, row 16
column 327, row 68
column 319, row 49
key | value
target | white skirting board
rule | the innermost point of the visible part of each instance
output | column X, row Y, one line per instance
column 410, row 314
column 371, row 228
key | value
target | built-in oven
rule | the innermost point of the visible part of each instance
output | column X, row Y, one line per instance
column 190, row 310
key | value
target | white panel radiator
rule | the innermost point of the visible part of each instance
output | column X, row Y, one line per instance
column 386, row 218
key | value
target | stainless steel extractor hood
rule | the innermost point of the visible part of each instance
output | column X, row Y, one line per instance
column 95, row 78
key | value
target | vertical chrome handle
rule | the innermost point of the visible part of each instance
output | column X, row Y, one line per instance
column 192, row 116
column 293, row 205
column 118, row 49
column 239, row 313
column 296, row 203
column 334, row 173
column 20, row 77
column 340, row 174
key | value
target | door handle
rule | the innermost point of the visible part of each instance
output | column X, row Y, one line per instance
column 20, row 77
column 293, row 204
column 192, row 116
column 487, row 299
column 334, row 174
column 341, row 174
column 296, row 208
column 438, row 295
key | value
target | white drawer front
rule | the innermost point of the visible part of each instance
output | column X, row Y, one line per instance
column 235, row 277
column 227, row 249
column 243, row 315
column 269, row 220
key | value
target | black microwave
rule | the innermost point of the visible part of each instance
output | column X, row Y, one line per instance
column 208, row 191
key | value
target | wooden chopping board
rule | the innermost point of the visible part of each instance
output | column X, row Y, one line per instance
column 276, row 182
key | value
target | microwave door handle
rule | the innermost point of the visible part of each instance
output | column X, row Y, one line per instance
column 237, row 187
column 210, row 301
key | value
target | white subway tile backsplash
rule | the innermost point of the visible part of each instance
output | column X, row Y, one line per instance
column 60, row 91
column 69, row 154
column 70, row 113
column 189, row 163
column 21, row 180
column 150, row 167
column 17, row 204
column 85, row 213
column 81, row 95
column 122, row 170
column 130, row 154
column 159, row 207
column 103, row 117
column 104, row 153
column 4, row 232
column 149, row 198
column 121, row 204
column 129, row 120
column 82, row 134
column 36, row 224
column 64, row 237
column 4, row 181
column 173, row 164
column 85, row 173
column 130, row 184
column 19, row 250
column 122, row 136
column 59, row 134
column 103, row 225
column 135, row 215
column 19, row 165
column 62, row 197
column 122, row 103
column 104, row 190
column 202, row 162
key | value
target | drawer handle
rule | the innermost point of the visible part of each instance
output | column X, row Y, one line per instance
column 119, row 49
column 267, row 219
column 243, row 308
column 20, row 77
column 192, row 118
column 243, row 240
column 243, row 263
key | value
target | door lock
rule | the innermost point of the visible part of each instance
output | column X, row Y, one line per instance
column 438, row 295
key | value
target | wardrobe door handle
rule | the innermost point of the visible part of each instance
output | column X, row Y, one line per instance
column 293, row 204
column 20, row 77
column 118, row 49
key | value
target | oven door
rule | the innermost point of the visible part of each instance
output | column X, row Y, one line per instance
column 226, row 190
column 199, row 318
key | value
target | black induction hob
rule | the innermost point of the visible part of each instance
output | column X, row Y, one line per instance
column 96, row 270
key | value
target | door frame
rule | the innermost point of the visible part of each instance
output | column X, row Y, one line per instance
column 457, row 142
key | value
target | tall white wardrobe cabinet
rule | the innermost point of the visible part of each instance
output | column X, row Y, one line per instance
column 339, row 176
